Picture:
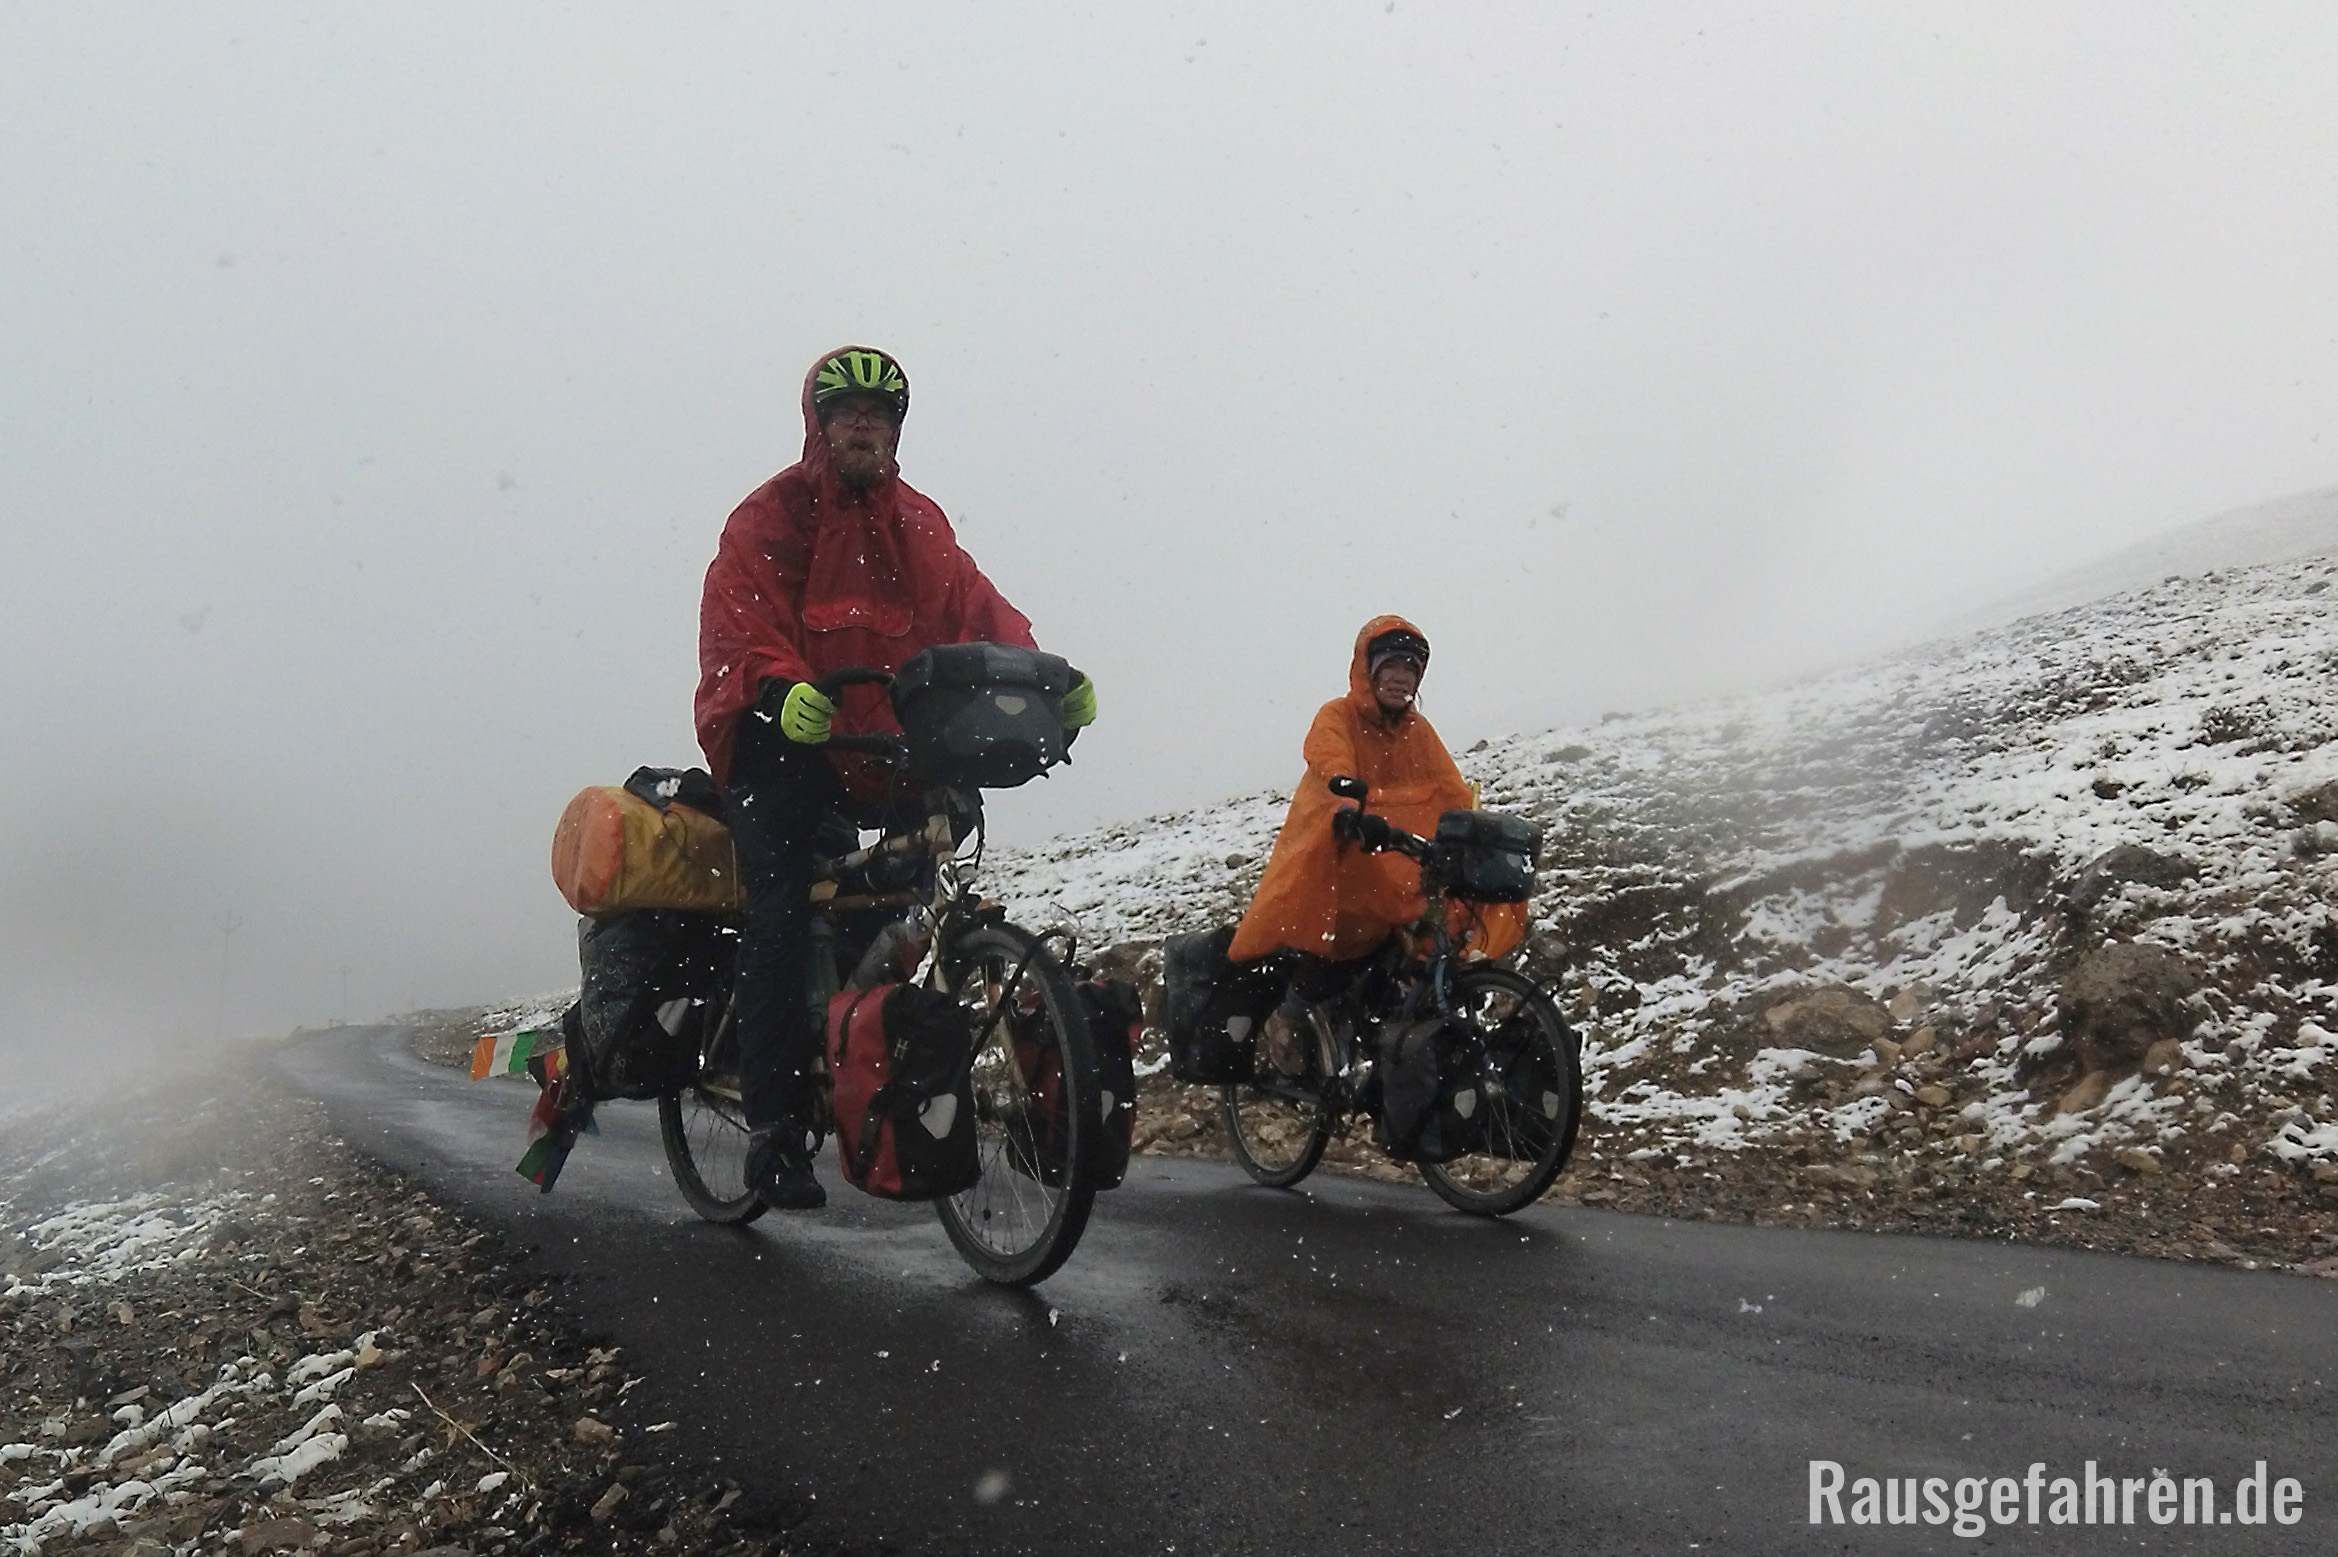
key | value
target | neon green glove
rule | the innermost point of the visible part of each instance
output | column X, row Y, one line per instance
column 1079, row 705
column 804, row 716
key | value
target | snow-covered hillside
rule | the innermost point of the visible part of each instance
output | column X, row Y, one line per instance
column 2049, row 895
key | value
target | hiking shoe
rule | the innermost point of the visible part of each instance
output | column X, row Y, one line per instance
column 779, row 1169
column 1280, row 1047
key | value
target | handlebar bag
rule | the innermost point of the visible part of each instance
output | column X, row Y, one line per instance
column 899, row 1069
column 1431, row 1109
column 983, row 715
column 1213, row 1008
column 1486, row 858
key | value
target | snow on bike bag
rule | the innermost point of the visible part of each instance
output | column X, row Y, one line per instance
column 614, row 852
column 899, row 1070
column 982, row 715
column 1213, row 1008
column 1485, row 858
column 1430, row 1107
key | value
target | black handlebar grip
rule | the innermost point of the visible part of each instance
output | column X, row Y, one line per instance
column 851, row 676
column 891, row 747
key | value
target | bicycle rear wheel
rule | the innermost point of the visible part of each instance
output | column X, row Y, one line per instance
column 1532, row 1090
column 704, row 1127
column 1278, row 1126
column 1037, row 1109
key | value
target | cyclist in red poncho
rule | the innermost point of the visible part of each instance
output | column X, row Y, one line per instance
column 835, row 561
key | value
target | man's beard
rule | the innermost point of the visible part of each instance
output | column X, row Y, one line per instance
column 859, row 467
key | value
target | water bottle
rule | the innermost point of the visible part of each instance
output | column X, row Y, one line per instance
column 894, row 952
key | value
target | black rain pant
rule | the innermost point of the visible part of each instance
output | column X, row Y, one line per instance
column 779, row 796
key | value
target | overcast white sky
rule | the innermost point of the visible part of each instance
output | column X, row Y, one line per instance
column 377, row 379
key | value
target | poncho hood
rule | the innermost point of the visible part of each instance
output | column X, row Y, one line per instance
column 812, row 576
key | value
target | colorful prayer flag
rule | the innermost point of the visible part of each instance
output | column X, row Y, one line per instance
column 507, row 1054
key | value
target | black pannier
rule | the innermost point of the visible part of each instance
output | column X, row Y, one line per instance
column 1534, row 1098
column 1484, row 858
column 1432, row 1108
column 1116, row 1021
column 1115, row 1015
column 648, row 978
column 1213, row 1008
column 982, row 715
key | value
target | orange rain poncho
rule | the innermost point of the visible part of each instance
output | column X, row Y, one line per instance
column 1330, row 898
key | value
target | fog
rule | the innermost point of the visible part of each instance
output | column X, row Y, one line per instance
column 378, row 380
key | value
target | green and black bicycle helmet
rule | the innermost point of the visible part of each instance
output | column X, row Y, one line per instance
column 858, row 370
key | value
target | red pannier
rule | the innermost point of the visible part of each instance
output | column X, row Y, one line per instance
column 899, row 1066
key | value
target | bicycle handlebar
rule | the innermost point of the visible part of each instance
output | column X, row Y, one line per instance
column 1376, row 834
column 892, row 747
column 889, row 747
column 850, row 676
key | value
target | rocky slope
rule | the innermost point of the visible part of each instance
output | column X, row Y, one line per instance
column 2026, row 932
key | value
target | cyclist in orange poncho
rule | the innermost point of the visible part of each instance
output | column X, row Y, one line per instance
column 1330, row 899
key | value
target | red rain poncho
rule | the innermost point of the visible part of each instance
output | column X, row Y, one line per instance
column 811, row 578
column 1331, row 898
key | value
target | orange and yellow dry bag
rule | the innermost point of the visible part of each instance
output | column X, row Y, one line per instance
column 614, row 851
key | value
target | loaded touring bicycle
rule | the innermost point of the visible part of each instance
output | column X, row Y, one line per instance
column 966, row 1060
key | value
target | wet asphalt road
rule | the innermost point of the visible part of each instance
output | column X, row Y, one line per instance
column 1355, row 1368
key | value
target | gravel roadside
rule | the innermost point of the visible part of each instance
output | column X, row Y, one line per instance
column 226, row 1332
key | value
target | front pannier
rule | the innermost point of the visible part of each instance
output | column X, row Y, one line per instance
column 900, row 1066
column 1484, row 858
column 1038, row 1142
column 982, row 715
column 1431, row 1105
column 1213, row 1008
column 1116, row 1021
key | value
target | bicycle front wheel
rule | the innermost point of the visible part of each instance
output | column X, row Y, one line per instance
column 705, row 1130
column 1037, row 1109
column 1532, row 1090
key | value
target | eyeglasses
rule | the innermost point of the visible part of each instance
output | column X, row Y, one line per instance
column 878, row 415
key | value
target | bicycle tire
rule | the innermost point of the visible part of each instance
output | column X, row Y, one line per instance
column 705, row 1134
column 1529, row 1128
column 1024, row 1215
column 1277, row 1128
